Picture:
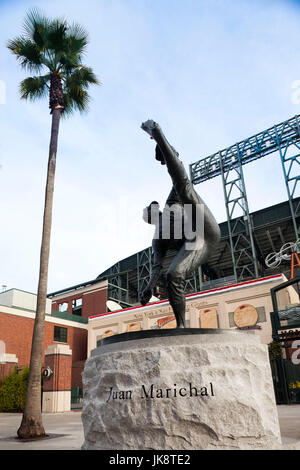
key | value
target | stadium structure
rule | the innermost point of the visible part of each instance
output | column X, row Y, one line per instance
column 246, row 238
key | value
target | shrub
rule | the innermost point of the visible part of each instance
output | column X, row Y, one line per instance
column 13, row 391
column 275, row 350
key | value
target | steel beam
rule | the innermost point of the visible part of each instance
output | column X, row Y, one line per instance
column 290, row 166
column 114, row 292
column 228, row 163
column 144, row 268
column 240, row 228
column 246, row 151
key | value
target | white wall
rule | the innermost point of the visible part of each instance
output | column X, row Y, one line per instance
column 21, row 299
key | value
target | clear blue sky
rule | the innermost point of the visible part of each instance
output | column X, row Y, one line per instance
column 210, row 72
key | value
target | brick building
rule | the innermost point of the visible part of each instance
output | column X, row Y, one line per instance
column 62, row 329
column 65, row 337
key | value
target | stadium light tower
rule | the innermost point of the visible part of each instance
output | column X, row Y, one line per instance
column 284, row 138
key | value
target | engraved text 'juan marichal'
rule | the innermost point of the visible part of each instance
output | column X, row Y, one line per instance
column 154, row 392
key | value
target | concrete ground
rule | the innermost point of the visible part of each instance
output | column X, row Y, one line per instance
column 66, row 432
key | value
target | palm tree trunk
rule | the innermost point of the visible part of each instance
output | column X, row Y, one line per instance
column 31, row 425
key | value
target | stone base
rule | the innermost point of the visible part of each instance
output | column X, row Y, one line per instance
column 56, row 401
column 180, row 390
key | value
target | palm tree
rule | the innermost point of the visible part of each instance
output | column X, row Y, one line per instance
column 52, row 50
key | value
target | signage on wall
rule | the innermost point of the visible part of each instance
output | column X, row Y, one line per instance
column 285, row 253
column 47, row 372
column 245, row 316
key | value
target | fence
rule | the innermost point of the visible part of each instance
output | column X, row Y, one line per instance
column 286, row 381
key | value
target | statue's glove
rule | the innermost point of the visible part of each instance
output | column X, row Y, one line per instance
column 149, row 126
column 145, row 296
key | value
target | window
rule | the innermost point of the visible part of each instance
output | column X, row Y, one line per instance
column 63, row 307
column 76, row 306
column 60, row 334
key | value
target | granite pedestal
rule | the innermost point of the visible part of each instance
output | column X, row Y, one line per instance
column 180, row 389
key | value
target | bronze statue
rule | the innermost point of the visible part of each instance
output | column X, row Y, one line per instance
column 177, row 228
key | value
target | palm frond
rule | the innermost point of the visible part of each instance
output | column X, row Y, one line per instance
column 77, row 39
column 82, row 76
column 33, row 88
column 75, row 42
column 35, row 27
column 67, row 62
column 57, row 35
column 75, row 98
column 27, row 52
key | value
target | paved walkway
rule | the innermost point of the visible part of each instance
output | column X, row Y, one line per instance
column 66, row 432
